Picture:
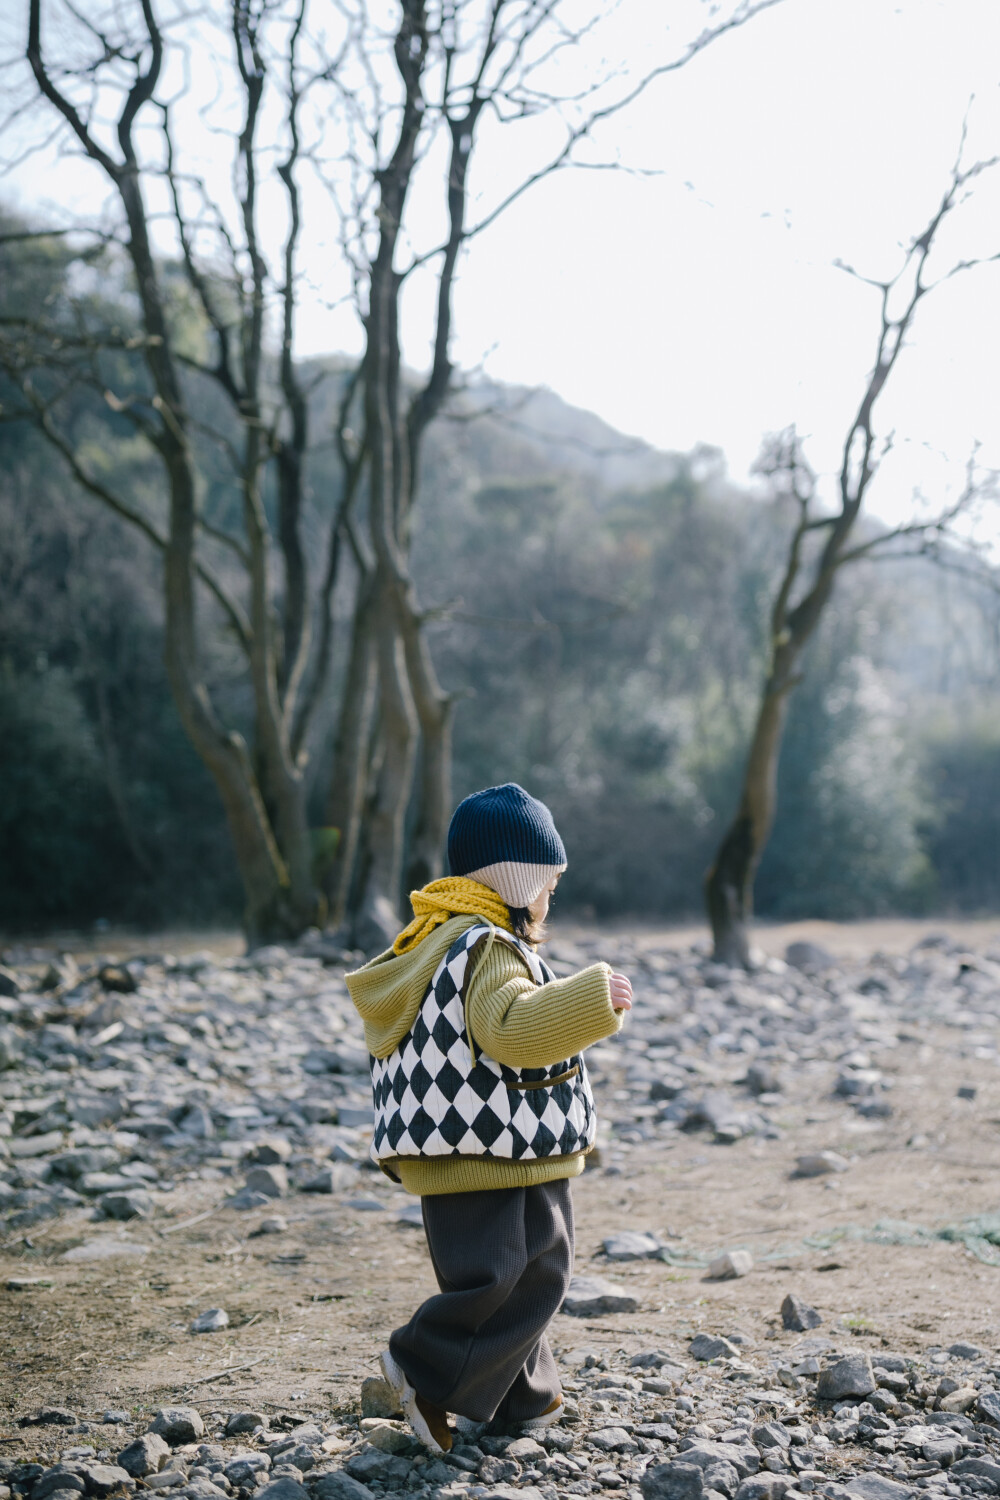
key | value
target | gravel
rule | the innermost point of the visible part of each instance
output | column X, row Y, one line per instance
column 121, row 1080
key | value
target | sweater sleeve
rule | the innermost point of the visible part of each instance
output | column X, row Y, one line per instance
column 525, row 1025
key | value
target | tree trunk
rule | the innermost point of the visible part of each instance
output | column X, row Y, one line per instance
column 378, row 912
column 435, row 712
column 729, row 883
column 349, row 780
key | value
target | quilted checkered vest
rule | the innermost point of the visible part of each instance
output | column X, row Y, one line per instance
column 433, row 1099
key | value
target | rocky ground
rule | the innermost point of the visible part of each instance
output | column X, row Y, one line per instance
column 787, row 1240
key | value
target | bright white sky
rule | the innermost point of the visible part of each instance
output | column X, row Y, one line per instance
column 701, row 304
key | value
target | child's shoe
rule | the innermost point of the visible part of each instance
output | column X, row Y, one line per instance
column 552, row 1413
column 429, row 1422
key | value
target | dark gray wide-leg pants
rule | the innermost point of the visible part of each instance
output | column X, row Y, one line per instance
column 503, row 1261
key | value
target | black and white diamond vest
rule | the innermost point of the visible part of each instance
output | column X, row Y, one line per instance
column 433, row 1099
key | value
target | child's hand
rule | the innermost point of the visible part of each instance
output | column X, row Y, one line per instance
column 621, row 992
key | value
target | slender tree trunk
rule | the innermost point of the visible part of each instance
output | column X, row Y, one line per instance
column 435, row 712
column 351, row 757
column 378, row 914
column 269, row 911
column 729, row 883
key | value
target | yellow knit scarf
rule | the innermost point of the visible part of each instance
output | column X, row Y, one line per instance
column 452, row 897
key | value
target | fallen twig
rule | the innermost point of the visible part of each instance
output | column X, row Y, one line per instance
column 186, row 1223
column 229, row 1370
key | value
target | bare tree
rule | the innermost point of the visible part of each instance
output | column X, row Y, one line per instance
column 819, row 546
column 207, row 365
column 149, row 376
column 458, row 64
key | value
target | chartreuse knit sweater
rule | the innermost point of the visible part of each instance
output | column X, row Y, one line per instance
column 513, row 1020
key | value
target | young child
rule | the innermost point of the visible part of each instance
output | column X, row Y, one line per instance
column 484, row 1109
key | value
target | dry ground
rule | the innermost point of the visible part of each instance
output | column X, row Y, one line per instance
column 311, row 1308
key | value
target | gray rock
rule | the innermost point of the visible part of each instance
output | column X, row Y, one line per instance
column 772, row 1435
column 240, row 1422
column 352, row 1115
column 272, row 1181
column 59, row 1477
column 105, row 1249
column 95, row 1183
column 705, row 1453
column 10, row 984
column 134, row 1204
column 390, row 1436
column 722, row 1479
column 301, row 1457
column 610, row 1440
column 819, row 1164
column 69, row 1166
column 665, row 1364
column 211, row 1321
column 965, row 1351
column 876, row 1487
column 944, row 1450
column 798, row 1316
column 982, row 1468
column 808, row 956
column 177, row 1424
column 372, row 1463
column 248, row 1198
column 103, row 1480
column 593, row 1297
column 270, row 1151
column 988, row 1406
column 764, row 1487
column 675, row 1481
column 523, row 1449
column 705, row 1346
column 440, row 1476
column 50, row 1416
column 274, row 1224
column 729, row 1265
column 379, row 1398
column 306, row 1433
column 145, row 1456
column 496, row 1470
column 284, row 1488
column 340, row 1486
column 762, row 1078
column 197, row 1122
column 631, row 1244
column 117, row 979
column 850, row 1376
column 327, row 1180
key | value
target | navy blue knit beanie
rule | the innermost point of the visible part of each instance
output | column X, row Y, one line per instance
column 507, row 840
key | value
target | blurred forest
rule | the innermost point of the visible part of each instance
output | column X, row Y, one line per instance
column 599, row 609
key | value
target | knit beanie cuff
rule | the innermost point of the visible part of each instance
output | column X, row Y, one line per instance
column 518, row 884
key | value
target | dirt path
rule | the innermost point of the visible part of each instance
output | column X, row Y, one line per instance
column 311, row 1308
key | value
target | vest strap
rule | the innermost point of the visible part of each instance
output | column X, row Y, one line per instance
column 548, row 1083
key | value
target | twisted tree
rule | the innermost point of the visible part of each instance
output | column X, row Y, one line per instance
column 820, row 544
column 203, row 373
